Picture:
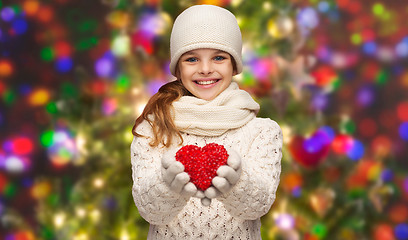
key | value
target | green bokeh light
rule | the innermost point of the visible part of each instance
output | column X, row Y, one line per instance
column 248, row 79
column 47, row 138
column 378, row 9
column 86, row 43
column 17, row 9
column 319, row 230
column 122, row 83
column 53, row 199
column 47, row 54
column 10, row 190
column 336, row 84
column 348, row 126
column 51, row 108
column 88, row 25
column 381, row 78
column 356, row 38
column 69, row 90
column 9, row 97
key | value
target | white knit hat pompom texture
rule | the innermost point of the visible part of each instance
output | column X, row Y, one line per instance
column 205, row 26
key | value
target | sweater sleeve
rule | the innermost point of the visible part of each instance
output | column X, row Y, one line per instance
column 255, row 192
column 156, row 203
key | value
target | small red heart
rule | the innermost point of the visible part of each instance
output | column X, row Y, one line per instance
column 202, row 164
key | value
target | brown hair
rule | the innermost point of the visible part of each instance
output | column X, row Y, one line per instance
column 160, row 106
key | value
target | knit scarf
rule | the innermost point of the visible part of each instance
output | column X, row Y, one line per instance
column 231, row 109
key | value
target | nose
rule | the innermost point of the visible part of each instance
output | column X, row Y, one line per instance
column 206, row 68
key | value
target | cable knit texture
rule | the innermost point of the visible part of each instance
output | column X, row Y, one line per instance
column 230, row 109
column 234, row 215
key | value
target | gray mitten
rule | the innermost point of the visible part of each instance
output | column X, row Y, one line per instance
column 227, row 176
column 174, row 176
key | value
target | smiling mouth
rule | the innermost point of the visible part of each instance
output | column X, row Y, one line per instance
column 206, row 82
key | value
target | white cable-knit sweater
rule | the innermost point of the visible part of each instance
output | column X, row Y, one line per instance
column 234, row 215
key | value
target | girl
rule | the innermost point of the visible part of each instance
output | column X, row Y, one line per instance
column 205, row 106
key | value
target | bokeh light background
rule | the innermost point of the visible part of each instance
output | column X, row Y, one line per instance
column 75, row 74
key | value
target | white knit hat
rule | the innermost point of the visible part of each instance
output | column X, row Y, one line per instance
column 205, row 26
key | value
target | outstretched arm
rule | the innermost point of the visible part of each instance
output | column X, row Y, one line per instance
column 156, row 202
column 255, row 191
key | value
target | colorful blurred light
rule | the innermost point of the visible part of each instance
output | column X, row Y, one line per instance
column 122, row 83
column 45, row 14
column 308, row 18
column 378, row 9
column 347, row 126
column 109, row 106
column 357, row 150
column 64, row 64
column 370, row 48
column 20, row 235
column 154, row 86
column 329, row 132
column 20, row 26
column 383, row 232
column 398, row 213
column 7, row 14
column 320, row 101
column 22, row 146
column 143, row 41
column 280, row 27
column 387, row 175
column 403, row 131
column 47, row 138
column 105, row 66
column 262, row 68
column 319, row 230
column 25, row 89
column 342, row 143
column 47, row 54
column 324, row 75
column 62, row 49
column 285, row 221
column 30, row 7
column 121, row 46
column 16, row 164
column 401, row 231
column 63, row 148
column 401, row 49
column 292, row 181
column 6, row 68
column 316, row 142
column 154, row 24
column 402, row 111
column 39, row 97
column 4, row 181
column 365, row 96
column 118, row 19
column 381, row 145
column 40, row 190
column 323, row 6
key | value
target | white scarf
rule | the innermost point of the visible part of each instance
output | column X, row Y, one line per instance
column 231, row 109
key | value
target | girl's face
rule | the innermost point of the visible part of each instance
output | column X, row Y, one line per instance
column 205, row 72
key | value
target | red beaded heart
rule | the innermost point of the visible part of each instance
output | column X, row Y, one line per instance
column 202, row 164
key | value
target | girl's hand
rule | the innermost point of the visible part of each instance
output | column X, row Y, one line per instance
column 227, row 176
column 174, row 176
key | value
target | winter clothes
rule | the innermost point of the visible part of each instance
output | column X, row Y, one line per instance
column 233, row 215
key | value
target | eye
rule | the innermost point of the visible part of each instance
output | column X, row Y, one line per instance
column 219, row 58
column 192, row 59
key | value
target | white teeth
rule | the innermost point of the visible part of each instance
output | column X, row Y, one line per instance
column 206, row 82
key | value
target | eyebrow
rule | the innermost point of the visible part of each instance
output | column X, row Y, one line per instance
column 192, row 52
